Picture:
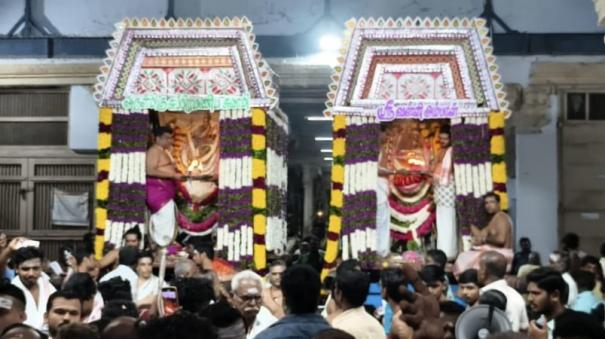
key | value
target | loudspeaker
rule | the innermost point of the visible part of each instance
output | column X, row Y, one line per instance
column 480, row 321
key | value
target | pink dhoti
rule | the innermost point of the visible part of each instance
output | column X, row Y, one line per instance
column 470, row 259
column 160, row 194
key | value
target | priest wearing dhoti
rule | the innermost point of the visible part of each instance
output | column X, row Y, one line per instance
column 161, row 185
column 496, row 236
column 445, row 195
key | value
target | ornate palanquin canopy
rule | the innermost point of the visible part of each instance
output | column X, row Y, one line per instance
column 413, row 60
column 420, row 69
column 211, row 67
column 151, row 59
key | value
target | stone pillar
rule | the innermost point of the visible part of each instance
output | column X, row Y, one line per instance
column 308, row 175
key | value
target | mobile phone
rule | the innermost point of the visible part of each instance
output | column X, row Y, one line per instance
column 28, row 243
column 170, row 300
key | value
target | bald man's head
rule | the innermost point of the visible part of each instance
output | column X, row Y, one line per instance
column 186, row 268
column 492, row 267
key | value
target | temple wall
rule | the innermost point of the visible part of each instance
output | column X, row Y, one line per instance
column 539, row 208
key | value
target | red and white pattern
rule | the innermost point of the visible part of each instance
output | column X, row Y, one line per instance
column 193, row 81
column 223, row 81
column 413, row 82
column 151, row 81
column 186, row 81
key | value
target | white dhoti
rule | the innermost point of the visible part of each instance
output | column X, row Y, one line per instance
column 383, row 218
column 162, row 224
column 445, row 201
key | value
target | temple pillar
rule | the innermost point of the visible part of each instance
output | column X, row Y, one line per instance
column 308, row 205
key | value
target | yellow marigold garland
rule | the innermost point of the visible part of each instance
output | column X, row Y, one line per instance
column 259, row 192
column 337, row 196
column 497, row 149
column 102, row 187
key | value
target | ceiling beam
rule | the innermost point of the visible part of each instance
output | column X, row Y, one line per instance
column 297, row 45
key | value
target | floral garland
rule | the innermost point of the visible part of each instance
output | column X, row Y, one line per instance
column 472, row 164
column 259, row 191
column 277, row 182
column 497, row 150
column 234, row 233
column 412, row 217
column 102, row 189
column 197, row 219
column 336, row 196
column 361, row 166
column 412, row 225
column 126, row 204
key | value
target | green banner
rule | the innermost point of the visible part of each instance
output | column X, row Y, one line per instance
column 185, row 102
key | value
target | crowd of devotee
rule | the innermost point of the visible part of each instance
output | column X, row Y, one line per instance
column 410, row 294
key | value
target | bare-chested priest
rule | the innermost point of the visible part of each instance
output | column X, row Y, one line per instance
column 161, row 187
column 496, row 236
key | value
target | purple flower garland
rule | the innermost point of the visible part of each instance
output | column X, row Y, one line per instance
column 359, row 209
column 471, row 145
column 126, row 201
column 234, row 204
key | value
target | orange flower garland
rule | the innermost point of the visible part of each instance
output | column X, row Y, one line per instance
column 259, row 190
column 497, row 150
column 336, row 196
column 102, row 186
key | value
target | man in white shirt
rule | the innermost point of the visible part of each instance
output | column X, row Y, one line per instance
column 492, row 268
column 28, row 265
column 127, row 260
column 247, row 288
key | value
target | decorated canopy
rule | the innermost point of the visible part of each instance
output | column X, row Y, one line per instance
column 152, row 59
column 207, row 79
column 428, row 70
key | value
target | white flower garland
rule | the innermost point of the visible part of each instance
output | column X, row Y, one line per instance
column 230, row 239
column 369, row 238
column 236, row 245
column 469, row 178
column 353, row 245
column 345, row 247
column 458, row 179
column 481, row 170
column 476, row 190
column 250, row 241
column 488, row 176
column 415, row 219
